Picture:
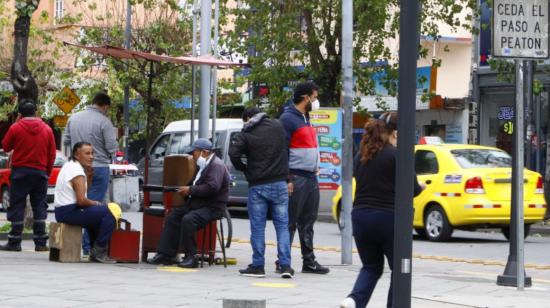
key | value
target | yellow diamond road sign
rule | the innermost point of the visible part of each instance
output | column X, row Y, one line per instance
column 66, row 100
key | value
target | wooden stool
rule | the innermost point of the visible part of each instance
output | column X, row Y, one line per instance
column 65, row 242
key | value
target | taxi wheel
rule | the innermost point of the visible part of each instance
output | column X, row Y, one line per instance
column 339, row 218
column 5, row 198
column 436, row 224
column 506, row 231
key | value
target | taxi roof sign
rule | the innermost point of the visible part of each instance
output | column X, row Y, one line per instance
column 433, row 140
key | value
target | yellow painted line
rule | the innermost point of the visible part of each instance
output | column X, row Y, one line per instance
column 419, row 256
column 175, row 269
column 275, row 285
column 481, row 274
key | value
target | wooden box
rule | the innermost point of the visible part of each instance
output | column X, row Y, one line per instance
column 65, row 242
column 179, row 170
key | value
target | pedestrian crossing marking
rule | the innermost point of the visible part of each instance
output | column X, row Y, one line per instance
column 274, row 285
column 175, row 269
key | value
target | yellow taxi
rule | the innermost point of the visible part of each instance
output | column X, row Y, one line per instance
column 467, row 187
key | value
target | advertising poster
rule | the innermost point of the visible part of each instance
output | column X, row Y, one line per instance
column 328, row 125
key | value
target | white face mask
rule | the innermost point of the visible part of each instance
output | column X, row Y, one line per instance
column 315, row 105
column 201, row 162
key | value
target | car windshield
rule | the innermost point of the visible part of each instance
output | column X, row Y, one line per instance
column 59, row 160
column 482, row 158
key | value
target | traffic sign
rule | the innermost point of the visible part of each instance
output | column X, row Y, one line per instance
column 60, row 121
column 520, row 29
column 66, row 100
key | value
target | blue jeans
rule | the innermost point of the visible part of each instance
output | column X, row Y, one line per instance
column 273, row 196
column 97, row 219
column 96, row 192
column 373, row 233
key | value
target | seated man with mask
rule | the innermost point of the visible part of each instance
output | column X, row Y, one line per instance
column 206, row 201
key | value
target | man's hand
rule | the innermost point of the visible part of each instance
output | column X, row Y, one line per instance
column 290, row 188
column 184, row 191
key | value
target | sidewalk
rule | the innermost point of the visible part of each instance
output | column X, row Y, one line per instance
column 29, row 279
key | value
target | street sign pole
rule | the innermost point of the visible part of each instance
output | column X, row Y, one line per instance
column 193, row 71
column 406, row 106
column 514, row 273
column 529, row 41
column 206, row 16
column 347, row 150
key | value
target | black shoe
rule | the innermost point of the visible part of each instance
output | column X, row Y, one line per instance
column 162, row 259
column 277, row 267
column 41, row 248
column 189, row 262
column 99, row 254
column 253, row 271
column 286, row 272
column 9, row 247
column 314, row 268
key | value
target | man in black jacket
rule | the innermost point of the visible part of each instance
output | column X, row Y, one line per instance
column 262, row 143
column 207, row 198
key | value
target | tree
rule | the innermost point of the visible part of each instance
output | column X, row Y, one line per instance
column 159, row 27
column 289, row 41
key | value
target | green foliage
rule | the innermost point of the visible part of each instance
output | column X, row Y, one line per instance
column 305, row 33
column 26, row 7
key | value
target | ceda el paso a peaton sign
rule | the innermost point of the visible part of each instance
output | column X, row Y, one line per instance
column 520, row 29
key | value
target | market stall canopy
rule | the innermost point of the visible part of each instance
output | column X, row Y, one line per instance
column 122, row 53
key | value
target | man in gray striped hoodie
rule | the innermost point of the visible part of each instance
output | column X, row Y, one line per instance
column 92, row 125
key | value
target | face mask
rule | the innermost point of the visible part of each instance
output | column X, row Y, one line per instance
column 201, row 162
column 315, row 105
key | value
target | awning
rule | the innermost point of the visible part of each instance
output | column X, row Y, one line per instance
column 122, row 53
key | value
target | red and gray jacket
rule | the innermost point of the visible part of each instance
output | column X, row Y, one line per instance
column 303, row 154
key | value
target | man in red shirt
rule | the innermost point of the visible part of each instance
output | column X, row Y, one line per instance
column 33, row 146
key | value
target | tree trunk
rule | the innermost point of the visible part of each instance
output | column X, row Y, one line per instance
column 21, row 78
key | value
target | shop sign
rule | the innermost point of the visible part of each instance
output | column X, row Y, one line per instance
column 520, row 29
column 508, row 127
column 328, row 125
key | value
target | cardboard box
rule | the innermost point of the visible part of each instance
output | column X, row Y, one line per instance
column 179, row 170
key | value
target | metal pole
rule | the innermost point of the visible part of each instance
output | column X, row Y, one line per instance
column 215, row 70
column 402, row 247
column 538, row 131
column 126, row 110
column 514, row 273
column 193, row 71
column 347, row 150
column 206, row 16
column 528, row 113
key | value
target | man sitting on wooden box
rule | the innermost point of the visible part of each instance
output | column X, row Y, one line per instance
column 206, row 201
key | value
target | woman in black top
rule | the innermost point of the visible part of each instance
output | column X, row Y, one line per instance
column 373, row 207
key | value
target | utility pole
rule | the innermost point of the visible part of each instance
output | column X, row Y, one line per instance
column 206, row 16
column 126, row 110
column 215, row 70
column 347, row 150
column 194, row 71
column 404, row 193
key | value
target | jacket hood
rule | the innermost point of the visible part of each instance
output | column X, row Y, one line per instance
column 255, row 120
column 294, row 111
column 32, row 125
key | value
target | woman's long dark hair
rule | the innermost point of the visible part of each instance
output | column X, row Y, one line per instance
column 77, row 147
column 376, row 135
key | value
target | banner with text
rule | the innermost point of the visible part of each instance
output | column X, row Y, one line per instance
column 328, row 125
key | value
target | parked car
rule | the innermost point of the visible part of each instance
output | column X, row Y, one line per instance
column 467, row 187
column 175, row 138
column 5, row 172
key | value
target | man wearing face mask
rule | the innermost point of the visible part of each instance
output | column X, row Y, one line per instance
column 207, row 198
column 303, row 159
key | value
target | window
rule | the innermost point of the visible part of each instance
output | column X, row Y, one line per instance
column 58, row 9
column 482, row 158
column 175, row 145
column 426, row 162
column 159, row 151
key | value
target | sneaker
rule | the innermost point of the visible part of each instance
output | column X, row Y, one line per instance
column 286, row 272
column 41, row 248
column 10, row 247
column 99, row 254
column 315, row 268
column 253, row 271
column 348, row 303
